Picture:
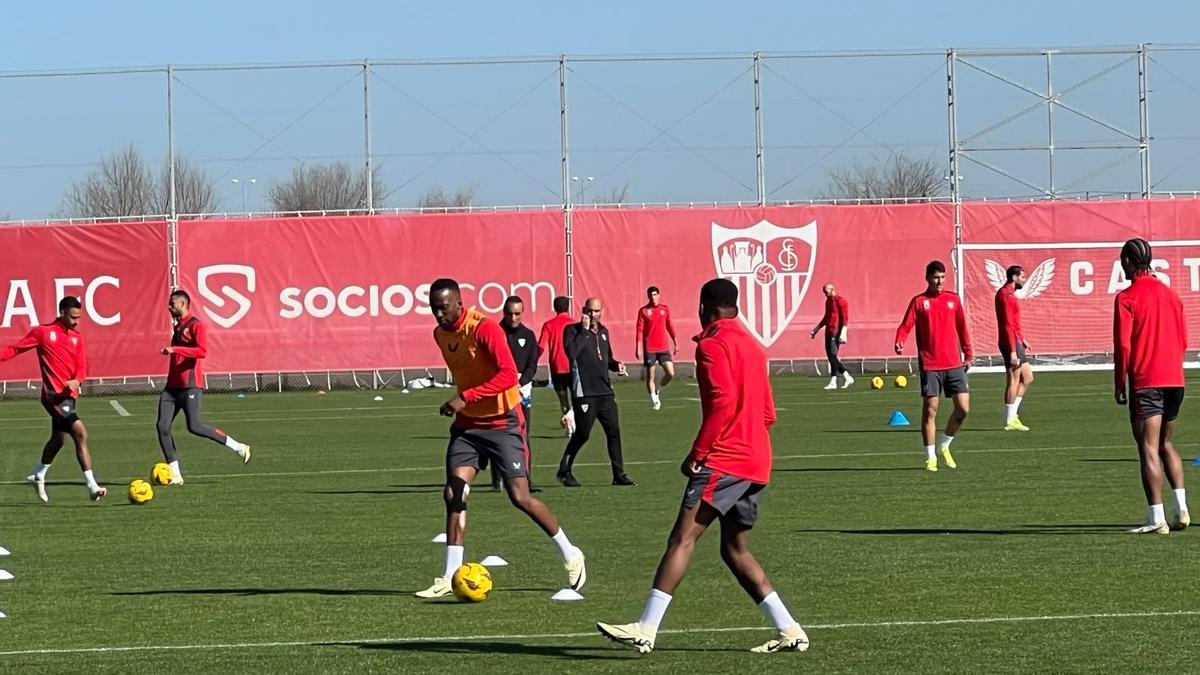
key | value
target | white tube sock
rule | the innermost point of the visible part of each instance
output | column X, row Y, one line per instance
column 774, row 610
column 454, row 558
column 656, row 608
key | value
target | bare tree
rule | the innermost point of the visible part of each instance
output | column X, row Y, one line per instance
column 435, row 198
column 900, row 177
column 124, row 185
column 195, row 192
column 615, row 195
column 325, row 187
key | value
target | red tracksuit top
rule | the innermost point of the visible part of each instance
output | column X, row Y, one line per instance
column 737, row 404
column 551, row 342
column 189, row 342
column 1149, row 335
column 942, row 339
column 1008, row 318
column 837, row 315
column 655, row 332
column 61, row 354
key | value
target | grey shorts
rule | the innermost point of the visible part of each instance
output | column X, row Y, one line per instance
column 727, row 494
column 503, row 447
column 656, row 358
column 1155, row 402
column 951, row 382
column 1006, row 354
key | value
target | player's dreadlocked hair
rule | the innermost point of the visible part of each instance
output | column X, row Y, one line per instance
column 1138, row 253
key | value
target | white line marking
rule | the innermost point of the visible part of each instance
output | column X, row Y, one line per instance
column 562, row 636
column 119, row 408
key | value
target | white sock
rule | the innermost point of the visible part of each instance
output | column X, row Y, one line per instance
column 40, row 470
column 1156, row 514
column 232, row 444
column 1181, row 499
column 1010, row 411
column 929, row 453
column 833, row 379
column 175, row 470
column 945, row 441
column 454, row 558
column 91, row 479
column 774, row 610
column 656, row 608
column 1016, row 405
column 565, row 547
column 847, row 377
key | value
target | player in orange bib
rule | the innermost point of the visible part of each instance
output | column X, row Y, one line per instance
column 488, row 426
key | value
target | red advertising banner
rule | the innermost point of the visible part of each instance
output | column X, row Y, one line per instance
column 352, row 292
column 118, row 271
column 1071, row 255
column 780, row 257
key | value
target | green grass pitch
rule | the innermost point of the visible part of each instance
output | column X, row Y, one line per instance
column 306, row 559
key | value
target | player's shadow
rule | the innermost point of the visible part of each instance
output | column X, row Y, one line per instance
column 419, row 488
column 250, row 592
column 1111, row 459
column 1024, row 530
column 850, row 468
column 485, row 648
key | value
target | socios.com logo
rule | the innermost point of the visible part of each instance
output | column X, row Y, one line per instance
column 227, row 295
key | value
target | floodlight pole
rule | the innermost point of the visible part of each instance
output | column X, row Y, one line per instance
column 952, row 166
column 758, row 132
column 569, row 257
column 366, row 76
column 1050, row 120
column 1144, row 122
column 172, row 208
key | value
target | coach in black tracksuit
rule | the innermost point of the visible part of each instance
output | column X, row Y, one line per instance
column 524, row 347
column 589, row 351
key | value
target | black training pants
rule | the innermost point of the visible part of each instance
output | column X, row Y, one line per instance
column 589, row 410
column 188, row 400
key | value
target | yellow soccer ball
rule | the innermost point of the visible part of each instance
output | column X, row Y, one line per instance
column 471, row 583
column 140, row 492
column 901, row 382
column 161, row 474
column 877, row 382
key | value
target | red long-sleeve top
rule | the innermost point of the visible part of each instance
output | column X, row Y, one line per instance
column 61, row 353
column 1149, row 335
column 550, row 342
column 942, row 339
column 655, row 332
column 477, row 354
column 1008, row 318
column 189, row 346
column 737, row 404
column 837, row 315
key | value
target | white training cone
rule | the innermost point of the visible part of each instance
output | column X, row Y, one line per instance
column 5, row 575
column 440, row 538
column 403, row 391
column 3, row 551
column 3, row 615
column 567, row 595
column 378, row 398
column 494, row 561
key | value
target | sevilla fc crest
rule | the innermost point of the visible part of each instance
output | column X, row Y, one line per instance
column 772, row 267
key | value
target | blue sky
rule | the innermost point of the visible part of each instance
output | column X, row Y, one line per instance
column 669, row 131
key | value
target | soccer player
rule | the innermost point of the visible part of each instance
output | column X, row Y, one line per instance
column 523, row 345
column 1013, row 348
column 944, row 356
column 62, row 358
column 488, row 422
column 185, row 385
column 590, row 351
column 727, row 471
column 653, row 328
column 1149, row 339
column 550, row 342
column 835, row 322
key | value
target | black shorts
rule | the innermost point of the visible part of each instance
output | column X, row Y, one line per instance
column 1156, row 402
column 655, row 358
column 727, row 494
column 504, row 448
column 62, row 411
column 1006, row 354
column 561, row 381
column 951, row 382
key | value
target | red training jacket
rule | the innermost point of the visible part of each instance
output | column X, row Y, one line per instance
column 551, row 342
column 1008, row 318
column 189, row 345
column 942, row 339
column 655, row 332
column 61, row 357
column 1149, row 335
column 837, row 315
column 735, row 396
